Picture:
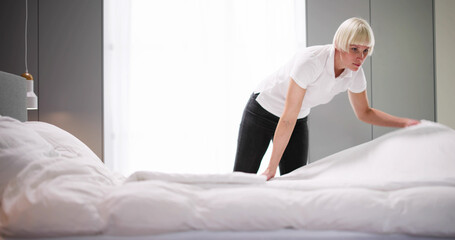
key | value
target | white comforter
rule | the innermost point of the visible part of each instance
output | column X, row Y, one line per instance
column 403, row 182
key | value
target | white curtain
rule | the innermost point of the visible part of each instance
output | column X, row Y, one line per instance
column 181, row 74
column 117, row 27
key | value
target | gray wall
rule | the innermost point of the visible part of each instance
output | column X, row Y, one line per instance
column 403, row 64
column 66, row 39
column 400, row 74
column 12, row 39
column 70, row 65
column 334, row 126
column 445, row 62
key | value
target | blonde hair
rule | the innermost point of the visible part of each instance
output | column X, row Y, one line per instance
column 354, row 31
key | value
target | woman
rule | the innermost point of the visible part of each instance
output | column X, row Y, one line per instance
column 279, row 107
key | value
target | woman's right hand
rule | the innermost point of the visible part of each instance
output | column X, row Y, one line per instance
column 410, row 122
column 269, row 173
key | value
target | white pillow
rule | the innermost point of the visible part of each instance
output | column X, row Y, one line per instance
column 19, row 145
column 63, row 142
column 69, row 147
column 22, row 143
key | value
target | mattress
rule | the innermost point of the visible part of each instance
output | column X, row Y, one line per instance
column 283, row 234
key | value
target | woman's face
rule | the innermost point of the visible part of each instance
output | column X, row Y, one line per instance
column 355, row 57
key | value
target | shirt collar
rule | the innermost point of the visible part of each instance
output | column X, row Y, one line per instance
column 331, row 65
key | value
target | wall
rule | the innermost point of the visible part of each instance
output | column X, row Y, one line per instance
column 400, row 73
column 70, row 67
column 403, row 61
column 65, row 58
column 445, row 52
column 68, row 79
column 12, row 41
column 334, row 127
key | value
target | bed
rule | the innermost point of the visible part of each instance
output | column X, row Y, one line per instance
column 13, row 94
column 398, row 186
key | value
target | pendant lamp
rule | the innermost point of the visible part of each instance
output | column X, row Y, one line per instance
column 32, row 99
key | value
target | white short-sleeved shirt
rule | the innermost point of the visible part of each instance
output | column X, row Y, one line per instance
column 311, row 68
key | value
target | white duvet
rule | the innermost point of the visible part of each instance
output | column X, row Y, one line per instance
column 403, row 182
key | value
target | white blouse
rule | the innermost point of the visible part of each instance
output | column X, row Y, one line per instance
column 311, row 68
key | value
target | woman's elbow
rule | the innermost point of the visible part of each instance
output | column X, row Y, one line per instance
column 364, row 115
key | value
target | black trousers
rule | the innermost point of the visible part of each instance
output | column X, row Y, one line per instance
column 257, row 130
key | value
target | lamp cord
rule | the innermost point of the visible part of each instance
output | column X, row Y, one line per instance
column 26, row 21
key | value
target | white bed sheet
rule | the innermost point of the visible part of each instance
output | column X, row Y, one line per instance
column 402, row 183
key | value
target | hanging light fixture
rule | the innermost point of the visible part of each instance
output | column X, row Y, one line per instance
column 32, row 99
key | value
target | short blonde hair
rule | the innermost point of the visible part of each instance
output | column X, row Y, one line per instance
column 354, row 31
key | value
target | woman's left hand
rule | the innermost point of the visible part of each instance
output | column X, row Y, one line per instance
column 269, row 173
column 411, row 122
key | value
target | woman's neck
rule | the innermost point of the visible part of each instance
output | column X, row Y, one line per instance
column 337, row 64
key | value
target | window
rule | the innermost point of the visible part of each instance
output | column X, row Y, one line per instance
column 178, row 74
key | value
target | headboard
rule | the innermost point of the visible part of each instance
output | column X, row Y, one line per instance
column 13, row 94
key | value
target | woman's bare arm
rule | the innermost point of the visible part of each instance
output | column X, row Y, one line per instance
column 285, row 126
column 365, row 113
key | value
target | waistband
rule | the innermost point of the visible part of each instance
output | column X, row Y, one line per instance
column 255, row 95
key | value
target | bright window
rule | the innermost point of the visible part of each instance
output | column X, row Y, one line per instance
column 190, row 67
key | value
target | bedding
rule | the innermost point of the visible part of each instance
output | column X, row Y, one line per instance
column 400, row 183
